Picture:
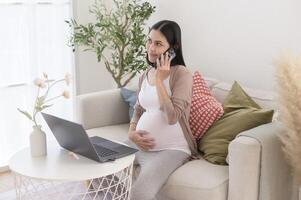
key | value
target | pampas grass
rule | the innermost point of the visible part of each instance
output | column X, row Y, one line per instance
column 288, row 74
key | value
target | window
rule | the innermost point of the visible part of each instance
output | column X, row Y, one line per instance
column 33, row 38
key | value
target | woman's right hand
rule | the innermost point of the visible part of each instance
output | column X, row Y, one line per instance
column 142, row 139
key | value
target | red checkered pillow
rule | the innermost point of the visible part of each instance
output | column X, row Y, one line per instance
column 205, row 109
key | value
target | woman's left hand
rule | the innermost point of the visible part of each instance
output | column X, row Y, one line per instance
column 163, row 67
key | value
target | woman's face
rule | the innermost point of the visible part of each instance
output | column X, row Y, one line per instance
column 156, row 45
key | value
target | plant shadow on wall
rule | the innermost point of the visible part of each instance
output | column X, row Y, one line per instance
column 288, row 73
column 118, row 32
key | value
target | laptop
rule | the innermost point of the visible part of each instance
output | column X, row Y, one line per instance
column 73, row 137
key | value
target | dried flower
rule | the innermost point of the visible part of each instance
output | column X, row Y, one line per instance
column 68, row 78
column 40, row 83
column 66, row 94
column 41, row 101
column 288, row 72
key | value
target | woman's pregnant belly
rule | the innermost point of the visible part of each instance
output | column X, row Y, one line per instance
column 166, row 136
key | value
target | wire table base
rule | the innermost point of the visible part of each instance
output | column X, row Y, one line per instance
column 116, row 186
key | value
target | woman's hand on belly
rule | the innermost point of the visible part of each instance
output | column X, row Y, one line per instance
column 142, row 139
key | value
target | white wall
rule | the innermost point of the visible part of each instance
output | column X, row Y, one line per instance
column 91, row 75
column 228, row 40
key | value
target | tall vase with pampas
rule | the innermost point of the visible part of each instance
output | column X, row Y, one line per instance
column 288, row 74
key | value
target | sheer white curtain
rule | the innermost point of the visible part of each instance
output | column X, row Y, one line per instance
column 33, row 40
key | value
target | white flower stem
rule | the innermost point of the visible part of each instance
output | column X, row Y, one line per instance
column 55, row 83
column 41, row 100
column 46, row 93
column 50, row 99
column 34, row 113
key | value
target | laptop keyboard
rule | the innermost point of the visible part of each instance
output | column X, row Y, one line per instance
column 103, row 152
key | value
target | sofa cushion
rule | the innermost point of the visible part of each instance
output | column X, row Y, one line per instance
column 211, row 82
column 197, row 178
column 241, row 113
column 205, row 109
column 116, row 132
column 262, row 97
column 130, row 97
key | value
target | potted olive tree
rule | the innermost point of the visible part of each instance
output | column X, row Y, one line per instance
column 117, row 37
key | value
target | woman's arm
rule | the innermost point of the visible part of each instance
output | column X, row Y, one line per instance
column 180, row 98
column 162, row 72
column 161, row 91
column 138, row 111
column 139, row 137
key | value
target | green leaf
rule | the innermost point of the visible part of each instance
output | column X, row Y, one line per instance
column 117, row 31
column 40, row 101
column 38, row 108
column 46, row 106
column 25, row 113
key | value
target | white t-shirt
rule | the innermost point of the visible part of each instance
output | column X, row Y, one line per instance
column 153, row 120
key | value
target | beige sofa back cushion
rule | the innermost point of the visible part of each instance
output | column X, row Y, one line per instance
column 264, row 98
column 211, row 82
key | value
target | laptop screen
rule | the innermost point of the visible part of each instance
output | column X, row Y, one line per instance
column 71, row 136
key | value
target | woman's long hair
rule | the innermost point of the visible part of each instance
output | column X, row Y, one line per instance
column 172, row 32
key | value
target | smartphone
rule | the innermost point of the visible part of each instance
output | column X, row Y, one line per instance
column 171, row 53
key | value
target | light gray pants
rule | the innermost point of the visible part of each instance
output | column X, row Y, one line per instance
column 155, row 168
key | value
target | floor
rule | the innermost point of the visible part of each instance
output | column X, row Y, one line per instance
column 6, row 182
column 7, row 187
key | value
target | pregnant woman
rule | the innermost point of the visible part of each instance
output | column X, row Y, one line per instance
column 160, row 127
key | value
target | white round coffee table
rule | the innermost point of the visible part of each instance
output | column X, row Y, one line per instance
column 60, row 176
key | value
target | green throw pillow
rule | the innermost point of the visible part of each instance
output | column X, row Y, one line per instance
column 241, row 113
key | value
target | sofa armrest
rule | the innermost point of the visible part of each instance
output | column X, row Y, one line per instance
column 257, row 165
column 102, row 108
column 244, row 169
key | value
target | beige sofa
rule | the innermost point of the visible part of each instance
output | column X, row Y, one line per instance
column 257, row 169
